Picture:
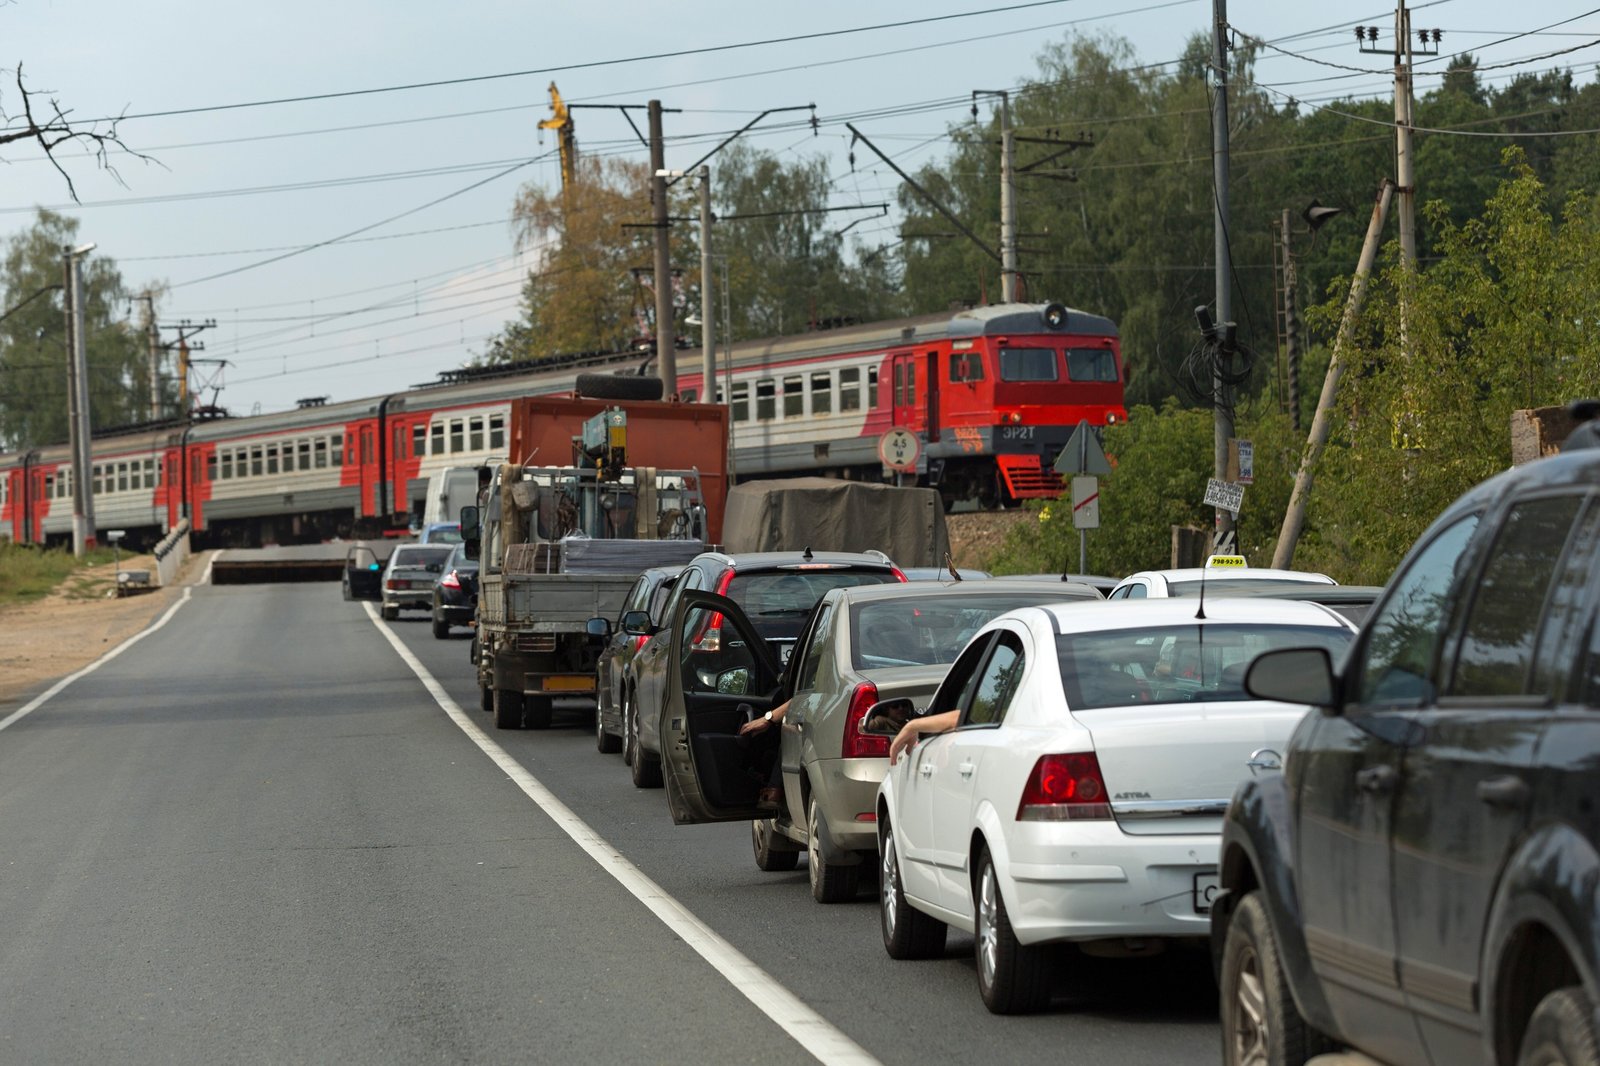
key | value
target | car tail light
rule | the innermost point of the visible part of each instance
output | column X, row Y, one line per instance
column 709, row 638
column 450, row 581
column 899, row 575
column 1065, row 788
column 396, row 583
column 859, row 745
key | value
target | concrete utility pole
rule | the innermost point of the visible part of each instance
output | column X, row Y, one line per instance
column 1221, row 398
column 81, row 429
column 1294, row 519
column 1291, row 326
column 1008, row 204
column 666, row 331
column 708, row 351
column 153, row 340
column 1405, row 160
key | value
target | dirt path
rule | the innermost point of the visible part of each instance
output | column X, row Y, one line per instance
column 976, row 535
column 76, row 624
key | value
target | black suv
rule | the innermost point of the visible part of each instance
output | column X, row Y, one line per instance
column 777, row 590
column 1420, row 883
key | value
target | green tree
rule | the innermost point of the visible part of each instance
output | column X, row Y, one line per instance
column 33, row 353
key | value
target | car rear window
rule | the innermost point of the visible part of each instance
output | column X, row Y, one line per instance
column 777, row 602
column 917, row 631
column 422, row 556
column 1175, row 664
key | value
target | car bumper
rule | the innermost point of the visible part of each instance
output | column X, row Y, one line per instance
column 456, row 613
column 407, row 599
column 846, row 789
column 1069, row 884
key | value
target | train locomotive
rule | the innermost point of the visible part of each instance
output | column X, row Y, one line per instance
column 991, row 393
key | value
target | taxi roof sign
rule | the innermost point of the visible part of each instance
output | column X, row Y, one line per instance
column 1226, row 561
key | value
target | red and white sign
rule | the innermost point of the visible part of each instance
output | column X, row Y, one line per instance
column 1086, row 503
column 900, row 449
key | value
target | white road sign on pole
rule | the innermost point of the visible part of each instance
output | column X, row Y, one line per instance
column 1224, row 494
column 1086, row 502
column 899, row 449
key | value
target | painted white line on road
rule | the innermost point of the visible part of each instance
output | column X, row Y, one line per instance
column 40, row 700
column 808, row 1028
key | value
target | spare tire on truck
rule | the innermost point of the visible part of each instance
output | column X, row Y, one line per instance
column 618, row 387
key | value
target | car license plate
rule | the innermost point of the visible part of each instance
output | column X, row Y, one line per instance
column 1206, row 887
column 569, row 684
column 785, row 650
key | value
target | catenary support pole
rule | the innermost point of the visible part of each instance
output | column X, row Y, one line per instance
column 83, row 538
column 68, row 293
column 708, row 350
column 1008, row 204
column 153, row 350
column 1221, row 400
column 1404, row 153
column 1294, row 519
column 666, row 328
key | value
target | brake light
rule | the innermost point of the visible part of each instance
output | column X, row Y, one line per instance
column 859, row 745
column 709, row 639
column 899, row 575
column 393, row 583
column 450, row 581
column 1065, row 788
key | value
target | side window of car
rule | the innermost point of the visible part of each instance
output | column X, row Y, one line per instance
column 1137, row 591
column 1508, row 602
column 1119, row 594
column 635, row 596
column 1397, row 662
column 806, row 678
column 658, row 600
column 958, row 685
column 1563, row 629
column 691, row 578
column 997, row 683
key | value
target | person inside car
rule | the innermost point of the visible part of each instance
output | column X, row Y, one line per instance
column 763, row 735
column 933, row 723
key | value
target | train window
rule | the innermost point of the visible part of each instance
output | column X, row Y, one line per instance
column 272, row 458
column 1029, row 364
column 255, row 462
column 872, row 387
column 850, row 388
column 227, row 466
column 794, row 396
column 149, row 473
column 305, row 454
column 51, row 486
column 497, row 432
column 766, row 399
column 689, row 395
column 741, row 401
column 458, row 435
column 319, row 450
column 436, row 432
column 211, row 469
column 419, row 440
column 336, row 444
column 899, row 385
column 911, row 383
column 966, row 366
column 122, row 477
column 475, row 435
column 1091, row 364
column 822, row 393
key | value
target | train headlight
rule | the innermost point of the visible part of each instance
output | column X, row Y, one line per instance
column 1055, row 316
column 1111, row 419
column 1016, row 416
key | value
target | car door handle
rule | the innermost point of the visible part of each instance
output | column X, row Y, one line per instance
column 1376, row 779
column 1507, row 792
column 927, row 769
column 966, row 769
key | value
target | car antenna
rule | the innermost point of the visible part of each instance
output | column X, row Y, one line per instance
column 806, row 555
column 1200, row 615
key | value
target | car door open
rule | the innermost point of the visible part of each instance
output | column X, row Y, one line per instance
column 719, row 673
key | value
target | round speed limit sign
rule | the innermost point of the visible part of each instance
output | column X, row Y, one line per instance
column 899, row 449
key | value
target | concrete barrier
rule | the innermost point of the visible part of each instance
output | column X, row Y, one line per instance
column 172, row 552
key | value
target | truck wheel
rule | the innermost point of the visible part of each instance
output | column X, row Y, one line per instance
column 1012, row 977
column 762, row 840
column 829, row 883
column 441, row 628
column 618, row 387
column 1561, row 1031
column 605, row 743
column 907, row 932
column 507, row 709
column 537, row 711
column 485, row 698
column 1260, row 1022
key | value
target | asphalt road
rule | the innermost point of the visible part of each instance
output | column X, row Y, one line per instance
column 256, row 837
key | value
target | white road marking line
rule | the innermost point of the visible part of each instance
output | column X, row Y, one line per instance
column 809, row 1029
column 39, row 700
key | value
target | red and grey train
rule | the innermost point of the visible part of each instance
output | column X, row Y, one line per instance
column 992, row 394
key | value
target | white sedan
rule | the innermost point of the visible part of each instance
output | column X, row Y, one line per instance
column 1079, row 795
column 1223, row 575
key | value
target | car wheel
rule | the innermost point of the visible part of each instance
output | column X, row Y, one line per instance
column 441, row 628
column 1561, row 1031
column 605, row 743
column 537, row 711
column 508, row 707
column 630, row 730
column 907, row 932
column 1012, row 977
column 830, row 883
column 1260, row 1022
column 645, row 768
column 768, row 858
column 389, row 612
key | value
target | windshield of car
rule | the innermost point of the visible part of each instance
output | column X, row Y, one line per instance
column 777, row 602
column 423, row 555
column 1177, row 663
column 1224, row 586
column 917, row 631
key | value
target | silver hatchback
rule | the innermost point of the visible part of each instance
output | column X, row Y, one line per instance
column 408, row 579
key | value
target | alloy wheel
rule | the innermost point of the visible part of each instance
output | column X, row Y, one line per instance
column 813, row 851
column 891, row 886
column 988, row 927
column 1250, row 1036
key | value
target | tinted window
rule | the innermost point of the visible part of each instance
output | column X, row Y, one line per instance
column 1563, row 620
column 778, row 601
column 1497, row 640
column 997, row 684
column 909, row 631
column 1091, row 364
column 1175, row 664
column 1403, row 635
column 1028, row 364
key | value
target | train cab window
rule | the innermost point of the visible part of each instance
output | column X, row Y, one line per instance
column 458, row 435
column 419, row 440
column 822, row 393
column 497, row 432
column 850, row 388
column 1029, row 364
column 1091, row 364
column 436, row 432
column 794, row 396
column 255, row 462
column 741, row 401
column 475, row 434
column 873, row 400
column 766, row 399
column 966, row 367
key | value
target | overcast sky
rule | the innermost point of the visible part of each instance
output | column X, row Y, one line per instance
column 433, row 170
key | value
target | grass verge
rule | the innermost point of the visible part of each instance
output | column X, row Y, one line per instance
column 28, row 574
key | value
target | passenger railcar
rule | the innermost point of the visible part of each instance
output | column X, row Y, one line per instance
column 993, row 394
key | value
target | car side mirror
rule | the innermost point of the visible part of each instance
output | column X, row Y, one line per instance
column 735, row 681
column 636, row 623
column 1293, row 675
column 598, row 627
column 471, row 533
column 884, row 718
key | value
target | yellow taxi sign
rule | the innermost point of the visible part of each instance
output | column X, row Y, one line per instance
column 1226, row 562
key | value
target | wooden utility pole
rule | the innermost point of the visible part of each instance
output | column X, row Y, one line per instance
column 153, row 346
column 1221, row 393
column 666, row 329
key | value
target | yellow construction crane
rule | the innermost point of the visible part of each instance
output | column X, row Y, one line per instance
column 561, row 122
